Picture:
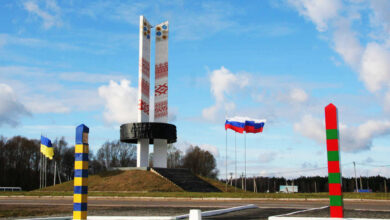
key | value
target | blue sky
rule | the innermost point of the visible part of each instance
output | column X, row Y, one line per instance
column 63, row 63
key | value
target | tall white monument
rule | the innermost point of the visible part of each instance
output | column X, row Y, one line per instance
column 161, row 91
column 143, row 88
column 145, row 132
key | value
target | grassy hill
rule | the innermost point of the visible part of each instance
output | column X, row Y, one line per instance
column 116, row 181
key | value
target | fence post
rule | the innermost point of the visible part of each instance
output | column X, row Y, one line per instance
column 334, row 171
column 80, row 196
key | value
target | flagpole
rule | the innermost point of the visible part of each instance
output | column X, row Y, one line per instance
column 45, row 172
column 245, row 159
column 40, row 163
column 59, row 176
column 235, row 162
column 55, row 166
column 40, row 170
column 226, row 160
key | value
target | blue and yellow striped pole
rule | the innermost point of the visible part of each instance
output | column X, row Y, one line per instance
column 80, row 196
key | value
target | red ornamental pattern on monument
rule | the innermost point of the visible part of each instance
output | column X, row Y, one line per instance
column 143, row 106
column 161, row 109
column 161, row 89
column 145, row 87
column 145, row 67
column 161, row 70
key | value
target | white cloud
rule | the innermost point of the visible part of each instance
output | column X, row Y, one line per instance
column 185, row 145
column 210, row 148
column 45, row 105
column 346, row 44
column 352, row 139
column 298, row 95
column 312, row 128
column 266, row 157
column 320, row 12
column 386, row 102
column 375, row 69
column 223, row 83
column 50, row 18
column 120, row 102
column 10, row 108
column 381, row 15
column 370, row 57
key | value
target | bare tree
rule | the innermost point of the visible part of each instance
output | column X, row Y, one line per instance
column 200, row 162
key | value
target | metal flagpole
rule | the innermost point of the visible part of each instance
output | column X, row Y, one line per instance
column 40, row 164
column 45, row 171
column 44, row 168
column 235, row 161
column 245, row 160
column 55, row 166
column 226, row 160
column 40, row 170
column 59, row 176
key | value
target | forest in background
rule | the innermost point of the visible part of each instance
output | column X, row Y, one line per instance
column 20, row 156
column 20, row 161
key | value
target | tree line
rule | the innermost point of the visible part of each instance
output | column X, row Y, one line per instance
column 311, row 184
column 20, row 157
column 19, row 166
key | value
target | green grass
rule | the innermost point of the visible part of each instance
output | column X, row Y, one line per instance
column 380, row 196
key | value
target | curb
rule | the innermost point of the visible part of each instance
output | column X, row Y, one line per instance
column 204, row 198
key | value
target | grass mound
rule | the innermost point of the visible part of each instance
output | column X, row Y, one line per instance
column 116, row 181
column 220, row 185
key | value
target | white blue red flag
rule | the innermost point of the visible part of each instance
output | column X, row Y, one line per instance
column 254, row 126
column 241, row 124
column 237, row 124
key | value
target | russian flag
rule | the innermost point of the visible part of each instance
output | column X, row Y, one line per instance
column 236, row 124
column 254, row 126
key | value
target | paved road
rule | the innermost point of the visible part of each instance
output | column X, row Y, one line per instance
column 182, row 202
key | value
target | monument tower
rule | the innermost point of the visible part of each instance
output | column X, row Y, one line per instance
column 159, row 132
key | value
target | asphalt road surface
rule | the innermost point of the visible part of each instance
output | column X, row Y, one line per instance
column 374, row 205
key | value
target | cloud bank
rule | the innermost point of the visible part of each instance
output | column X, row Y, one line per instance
column 352, row 139
column 11, row 110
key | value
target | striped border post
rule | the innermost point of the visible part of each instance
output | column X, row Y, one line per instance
column 80, row 196
column 334, row 176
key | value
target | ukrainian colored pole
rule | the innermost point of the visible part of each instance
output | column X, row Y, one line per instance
column 334, row 172
column 80, row 196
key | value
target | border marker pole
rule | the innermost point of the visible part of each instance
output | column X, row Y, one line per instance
column 334, row 172
column 80, row 196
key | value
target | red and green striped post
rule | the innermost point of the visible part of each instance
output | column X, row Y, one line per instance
column 334, row 176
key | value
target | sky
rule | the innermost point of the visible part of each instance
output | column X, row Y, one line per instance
column 63, row 63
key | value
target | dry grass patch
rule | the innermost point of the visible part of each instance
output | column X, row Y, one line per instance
column 130, row 181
